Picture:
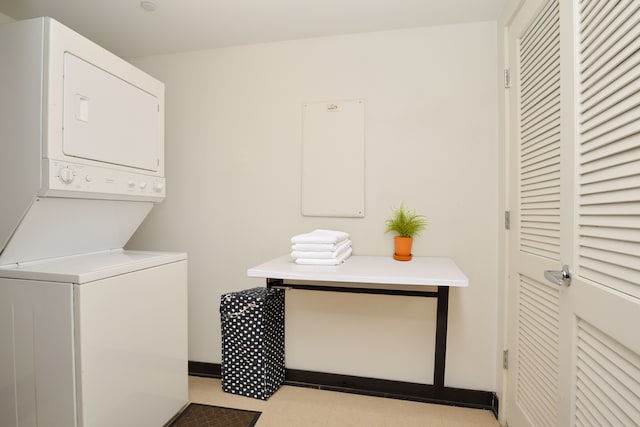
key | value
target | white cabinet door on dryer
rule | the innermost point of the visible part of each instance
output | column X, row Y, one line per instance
column 107, row 119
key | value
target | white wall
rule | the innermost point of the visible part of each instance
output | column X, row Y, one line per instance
column 233, row 140
column 5, row 19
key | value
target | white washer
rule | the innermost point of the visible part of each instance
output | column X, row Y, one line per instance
column 94, row 340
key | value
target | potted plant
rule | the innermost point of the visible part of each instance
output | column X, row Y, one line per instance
column 406, row 223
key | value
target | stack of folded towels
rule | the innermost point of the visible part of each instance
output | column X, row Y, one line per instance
column 321, row 247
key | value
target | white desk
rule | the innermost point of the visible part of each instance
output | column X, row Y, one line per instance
column 377, row 275
column 418, row 273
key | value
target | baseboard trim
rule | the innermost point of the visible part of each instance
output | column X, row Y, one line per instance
column 373, row 387
column 204, row 369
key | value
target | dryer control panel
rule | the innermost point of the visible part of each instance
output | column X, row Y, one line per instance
column 67, row 179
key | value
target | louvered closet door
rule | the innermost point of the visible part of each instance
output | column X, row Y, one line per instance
column 535, row 237
column 574, row 176
column 604, row 297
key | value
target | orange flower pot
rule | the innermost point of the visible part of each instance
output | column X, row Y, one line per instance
column 403, row 248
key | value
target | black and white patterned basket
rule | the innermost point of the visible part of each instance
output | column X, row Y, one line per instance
column 252, row 342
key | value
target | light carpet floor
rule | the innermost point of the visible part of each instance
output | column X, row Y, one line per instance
column 305, row 407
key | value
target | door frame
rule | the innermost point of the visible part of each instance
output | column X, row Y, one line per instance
column 510, row 9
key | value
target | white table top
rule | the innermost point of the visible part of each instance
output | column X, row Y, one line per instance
column 422, row 271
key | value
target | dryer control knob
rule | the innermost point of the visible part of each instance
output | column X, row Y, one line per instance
column 66, row 175
column 142, row 185
column 158, row 186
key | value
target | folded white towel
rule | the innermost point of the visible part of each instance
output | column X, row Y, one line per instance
column 320, row 247
column 328, row 261
column 341, row 248
column 316, row 247
column 320, row 236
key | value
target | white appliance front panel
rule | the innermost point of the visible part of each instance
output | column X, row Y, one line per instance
column 37, row 371
column 57, row 227
column 132, row 352
column 107, row 119
column 112, row 352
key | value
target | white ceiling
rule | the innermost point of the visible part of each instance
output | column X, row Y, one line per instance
column 123, row 27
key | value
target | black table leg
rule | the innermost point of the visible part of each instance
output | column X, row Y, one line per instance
column 274, row 282
column 441, row 336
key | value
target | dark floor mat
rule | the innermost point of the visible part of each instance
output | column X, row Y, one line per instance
column 198, row 415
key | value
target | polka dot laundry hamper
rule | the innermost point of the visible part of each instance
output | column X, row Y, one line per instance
column 252, row 342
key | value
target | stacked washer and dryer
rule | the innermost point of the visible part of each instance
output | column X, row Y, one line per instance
column 90, row 334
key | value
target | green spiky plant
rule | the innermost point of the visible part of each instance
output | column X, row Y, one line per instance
column 405, row 222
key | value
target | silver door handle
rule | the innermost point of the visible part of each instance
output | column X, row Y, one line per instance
column 560, row 278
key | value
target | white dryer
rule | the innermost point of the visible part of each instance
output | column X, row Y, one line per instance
column 90, row 334
column 94, row 340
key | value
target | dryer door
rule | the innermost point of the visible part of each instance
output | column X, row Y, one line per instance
column 107, row 119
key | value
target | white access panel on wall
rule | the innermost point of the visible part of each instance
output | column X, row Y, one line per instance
column 107, row 119
column 333, row 159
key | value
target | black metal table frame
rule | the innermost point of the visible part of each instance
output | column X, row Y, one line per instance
column 432, row 393
column 442, row 316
